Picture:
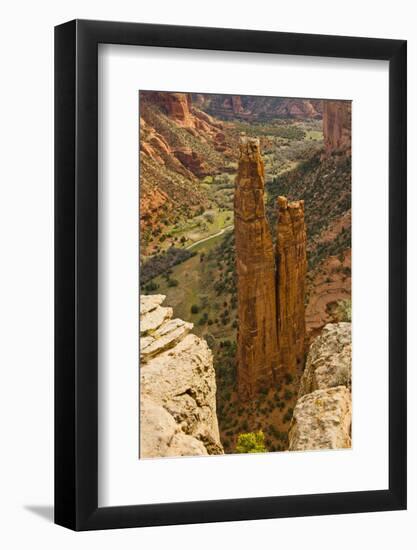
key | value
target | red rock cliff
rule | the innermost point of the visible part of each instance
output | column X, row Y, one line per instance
column 291, row 273
column 176, row 105
column 337, row 126
column 257, row 351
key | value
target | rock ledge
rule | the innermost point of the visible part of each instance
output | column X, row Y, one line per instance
column 177, row 387
column 322, row 417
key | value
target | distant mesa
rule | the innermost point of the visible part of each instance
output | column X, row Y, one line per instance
column 253, row 108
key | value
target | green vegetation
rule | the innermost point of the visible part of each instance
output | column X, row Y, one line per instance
column 285, row 142
column 315, row 135
column 252, row 442
column 287, row 395
column 324, row 202
column 150, row 287
column 162, row 263
column 344, row 310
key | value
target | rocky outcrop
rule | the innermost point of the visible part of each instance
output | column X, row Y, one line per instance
column 300, row 108
column 291, row 264
column 176, row 105
column 192, row 161
column 329, row 361
column 322, row 420
column 177, row 386
column 322, row 417
column 257, row 349
column 337, row 127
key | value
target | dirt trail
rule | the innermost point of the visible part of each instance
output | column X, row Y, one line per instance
column 209, row 237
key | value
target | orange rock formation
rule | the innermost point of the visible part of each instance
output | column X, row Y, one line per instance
column 337, row 116
column 291, row 262
column 257, row 345
column 270, row 289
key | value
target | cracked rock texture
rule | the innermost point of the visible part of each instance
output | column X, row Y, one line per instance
column 177, row 387
column 322, row 417
column 329, row 362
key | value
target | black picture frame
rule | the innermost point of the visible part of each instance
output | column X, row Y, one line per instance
column 76, row 272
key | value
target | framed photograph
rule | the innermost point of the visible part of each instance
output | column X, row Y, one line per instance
column 230, row 248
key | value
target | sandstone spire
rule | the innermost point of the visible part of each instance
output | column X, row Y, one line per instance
column 257, row 351
column 291, row 272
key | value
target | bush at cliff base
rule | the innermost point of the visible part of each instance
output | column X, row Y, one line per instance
column 252, row 442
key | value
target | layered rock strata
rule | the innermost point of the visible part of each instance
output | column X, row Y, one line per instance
column 337, row 127
column 291, row 263
column 179, row 144
column 257, row 344
column 322, row 417
column 177, row 386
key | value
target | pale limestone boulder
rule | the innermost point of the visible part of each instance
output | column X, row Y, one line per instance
column 157, row 428
column 154, row 319
column 164, row 337
column 329, row 361
column 322, row 420
column 186, row 445
column 177, row 388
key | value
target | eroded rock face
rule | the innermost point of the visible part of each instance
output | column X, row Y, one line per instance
column 322, row 417
column 177, row 387
column 257, row 350
column 329, row 362
column 337, row 126
column 291, row 264
column 322, row 420
column 259, row 107
column 178, row 145
column 176, row 105
column 192, row 161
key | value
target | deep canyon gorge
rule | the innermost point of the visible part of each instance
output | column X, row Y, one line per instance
column 245, row 234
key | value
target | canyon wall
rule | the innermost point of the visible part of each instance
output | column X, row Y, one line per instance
column 252, row 108
column 179, row 144
column 291, row 265
column 322, row 417
column 257, row 349
column 177, row 386
column 337, row 127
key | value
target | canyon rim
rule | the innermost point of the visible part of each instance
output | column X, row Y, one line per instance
column 245, row 274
